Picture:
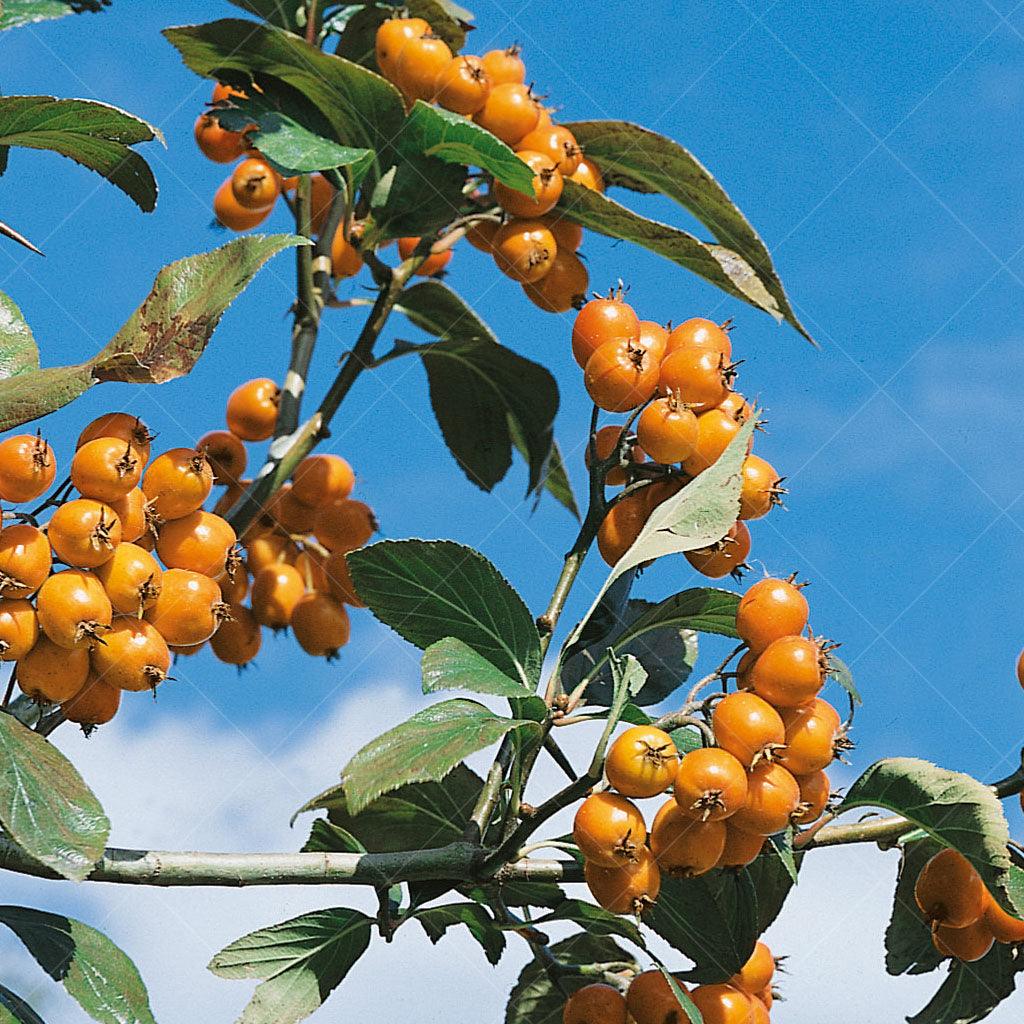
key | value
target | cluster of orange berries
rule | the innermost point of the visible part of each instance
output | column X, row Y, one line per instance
column 531, row 245
column 97, row 600
column 774, row 737
column 684, row 379
column 246, row 198
column 965, row 919
column 745, row 998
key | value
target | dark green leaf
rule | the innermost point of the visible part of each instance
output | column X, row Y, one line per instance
column 362, row 109
column 715, row 263
column 973, row 991
column 44, row 804
column 519, row 894
column 772, row 876
column 437, row 920
column 712, row 920
column 92, row 134
column 442, row 313
column 840, row 672
column 535, row 1000
column 18, row 352
column 326, row 837
column 289, row 144
column 661, row 637
column 432, row 131
column 423, row 749
column 14, row 1009
column 594, row 920
column 418, row 195
column 357, row 41
column 416, row 817
column 555, row 478
column 954, row 809
column 450, row 664
column 908, row 939
column 429, row 590
column 503, row 399
column 644, row 161
column 476, row 388
column 98, row 975
column 282, row 13
column 301, row 961
column 162, row 339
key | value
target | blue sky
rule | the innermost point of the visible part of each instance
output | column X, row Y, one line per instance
column 878, row 154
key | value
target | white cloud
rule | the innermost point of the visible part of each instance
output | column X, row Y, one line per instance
column 185, row 782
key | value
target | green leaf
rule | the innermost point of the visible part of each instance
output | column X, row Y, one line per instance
column 519, row 894
column 417, row 195
column 443, row 313
column 973, row 991
column 908, row 939
column 715, row 919
column 715, row 263
column 282, row 13
column 423, row 749
column 682, row 997
column 772, row 875
column 287, row 143
column 437, row 920
column 476, row 389
column 661, row 636
column 429, row 590
column 432, row 131
column 361, row 109
column 685, row 739
column 840, row 672
column 697, row 516
column 555, row 478
column 92, row 134
column 15, row 13
column 594, row 920
column 450, row 664
column 18, row 352
column 535, row 1000
column 326, row 837
column 780, row 846
column 953, row 808
column 161, row 340
column 667, row 654
column 44, row 804
column 644, row 161
column 301, row 961
column 98, row 975
column 486, row 398
column 421, row 816
column 357, row 41
column 712, row 920
column 14, row 1009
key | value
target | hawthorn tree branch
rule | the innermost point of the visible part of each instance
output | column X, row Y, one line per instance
column 455, row 862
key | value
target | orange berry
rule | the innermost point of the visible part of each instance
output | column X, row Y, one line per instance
column 587, row 175
column 226, row 455
column 73, row 608
column 547, row 187
column 19, row 628
column 199, row 541
column 96, row 703
column 321, row 480
column 24, row 560
column 601, row 321
column 133, row 655
column 123, row 425
column 726, row 557
column 667, row 430
column 131, row 578
column 178, row 482
column 510, row 112
column 320, row 624
column 238, row 639
column 255, row 185
column 276, row 591
column 524, row 250
column 27, row 467
column 216, row 143
column 392, row 35
column 189, row 608
column 772, row 798
column 51, row 674
column 563, row 287
column 504, row 66
column 699, row 333
column 685, row 846
column 344, row 525
column 84, row 533
column 252, row 409
column 433, row 264
column 231, row 214
column 605, row 442
column 462, row 85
